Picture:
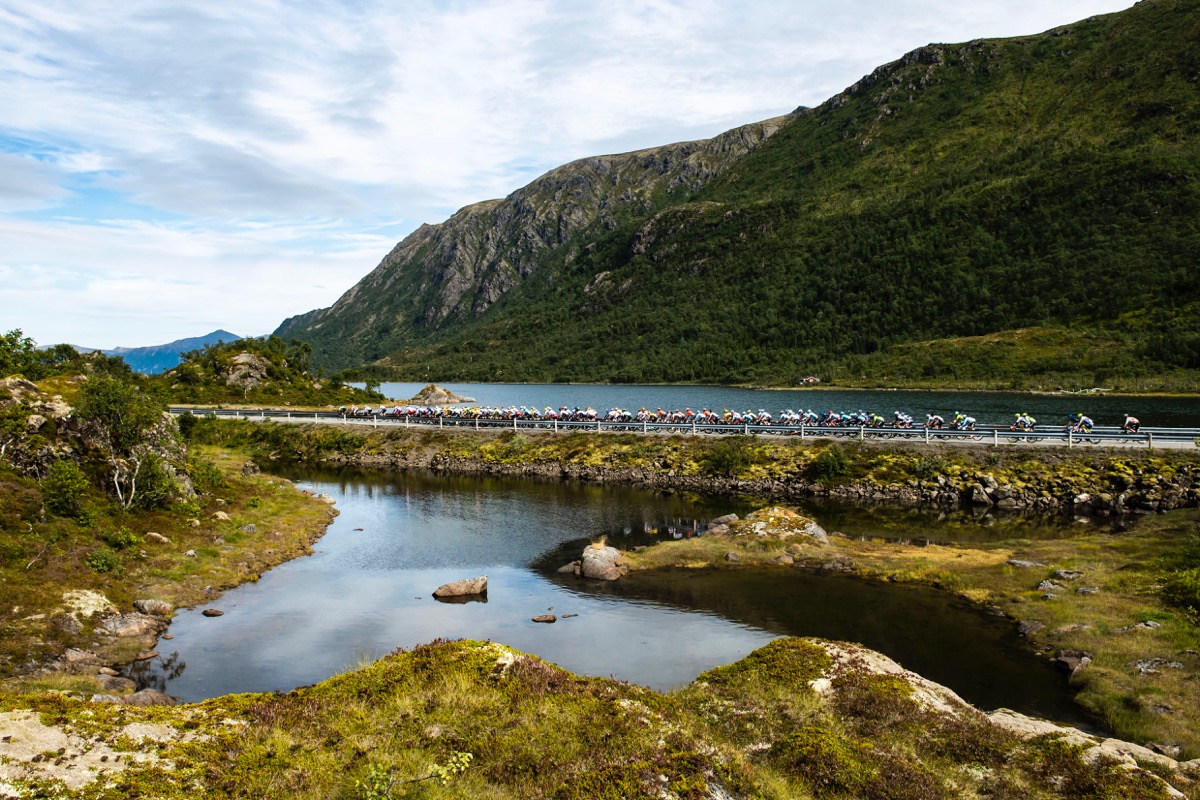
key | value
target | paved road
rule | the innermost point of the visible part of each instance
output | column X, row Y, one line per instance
column 1148, row 438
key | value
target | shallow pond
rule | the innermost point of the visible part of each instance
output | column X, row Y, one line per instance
column 366, row 591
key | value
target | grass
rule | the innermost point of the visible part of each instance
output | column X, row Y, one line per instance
column 795, row 719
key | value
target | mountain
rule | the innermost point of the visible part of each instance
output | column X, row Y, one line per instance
column 159, row 358
column 980, row 211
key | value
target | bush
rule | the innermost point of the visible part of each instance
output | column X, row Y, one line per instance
column 119, row 539
column 64, row 489
column 206, row 476
column 1183, row 589
column 103, row 560
column 831, row 463
column 187, row 424
column 155, row 484
column 727, row 458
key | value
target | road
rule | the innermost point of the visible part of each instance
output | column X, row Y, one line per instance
column 1147, row 438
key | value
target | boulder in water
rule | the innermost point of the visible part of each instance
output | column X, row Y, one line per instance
column 434, row 395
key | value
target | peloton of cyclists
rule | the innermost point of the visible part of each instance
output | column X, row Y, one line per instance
column 1025, row 422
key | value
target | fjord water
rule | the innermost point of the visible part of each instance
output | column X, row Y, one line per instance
column 991, row 408
column 366, row 591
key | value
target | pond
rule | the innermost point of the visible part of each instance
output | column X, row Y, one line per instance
column 366, row 591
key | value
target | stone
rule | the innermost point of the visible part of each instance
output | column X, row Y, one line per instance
column 250, row 468
column 132, row 623
column 545, row 618
column 324, row 497
column 815, row 531
column 784, row 559
column 1169, row 750
column 463, row 588
column 150, row 697
column 212, row 612
column 1068, row 574
column 195, row 523
column 190, row 554
column 1085, row 590
column 146, row 655
column 1152, row 666
column 109, row 671
column 159, row 608
column 979, row 496
column 117, row 684
column 602, row 563
column 1020, row 564
column 220, row 516
column 716, row 530
column 1027, row 627
column 574, row 568
column 1072, row 661
column 251, row 528
column 732, row 557
column 727, row 519
column 86, row 603
column 1050, row 586
column 157, row 537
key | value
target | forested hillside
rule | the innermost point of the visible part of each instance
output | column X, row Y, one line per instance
column 1003, row 212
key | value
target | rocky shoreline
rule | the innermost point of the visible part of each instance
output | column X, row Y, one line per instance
column 980, row 490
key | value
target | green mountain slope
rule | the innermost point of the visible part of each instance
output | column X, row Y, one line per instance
column 1049, row 181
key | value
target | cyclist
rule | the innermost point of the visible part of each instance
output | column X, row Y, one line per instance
column 1132, row 424
column 934, row 421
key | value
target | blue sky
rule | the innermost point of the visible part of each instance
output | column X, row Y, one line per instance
column 171, row 168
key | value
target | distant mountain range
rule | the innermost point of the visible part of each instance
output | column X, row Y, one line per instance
column 159, row 358
column 980, row 211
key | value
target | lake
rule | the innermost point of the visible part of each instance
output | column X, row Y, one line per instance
column 990, row 408
column 366, row 591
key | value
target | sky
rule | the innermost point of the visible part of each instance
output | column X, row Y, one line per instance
column 169, row 168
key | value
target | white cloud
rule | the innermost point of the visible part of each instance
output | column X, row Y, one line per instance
column 364, row 113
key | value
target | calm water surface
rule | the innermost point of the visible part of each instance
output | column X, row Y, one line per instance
column 987, row 407
column 367, row 588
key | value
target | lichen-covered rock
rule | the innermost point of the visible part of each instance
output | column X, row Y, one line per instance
column 463, row 588
column 158, row 608
column 132, row 624
column 602, row 563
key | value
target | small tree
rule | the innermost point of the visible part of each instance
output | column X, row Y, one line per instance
column 120, row 415
column 64, row 488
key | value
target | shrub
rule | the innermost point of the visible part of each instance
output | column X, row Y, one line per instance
column 155, row 484
column 119, row 539
column 727, row 457
column 831, row 463
column 64, row 489
column 187, row 425
column 206, row 476
column 103, row 560
column 1183, row 589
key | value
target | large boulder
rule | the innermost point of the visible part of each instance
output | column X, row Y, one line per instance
column 434, row 395
column 133, row 624
column 602, row 563
column 466, row 587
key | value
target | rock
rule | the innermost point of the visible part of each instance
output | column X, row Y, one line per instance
column 1027, row 627
column 1148, row 625
column 732, row 557
column 979, row 496
column 602, row 563
column 434, row 395
column 67, row 624
column 107, row 698
column 784, row 559
column 815, row 531
column 34, row 423
column 545, row 618
column 159, row 608
column 325, row 497
column 463, row 588
column 1152, row 666
column 568, row 616
column 109, row 671
column 131, row 624
column 716, row 530
column 574, row 568
column 220, row 516
column 212, row 612
column 1169, row 750
column 85, row 603
column 251, row 528
column 250, row 468
column 1072, row 661
column 989, row 483
column 157, row 537
column 1068, row 574
column 150, row 697
column 146, row 655
column 190, row 554
column 1085, row 590
column 728, row 519
column 195, row 523
column 117, row 684
column 1019, row 564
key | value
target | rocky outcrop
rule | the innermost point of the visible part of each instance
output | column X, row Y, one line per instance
column 434, row 395
column 246, row 371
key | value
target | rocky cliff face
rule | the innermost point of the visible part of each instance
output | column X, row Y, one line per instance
column 459, row 268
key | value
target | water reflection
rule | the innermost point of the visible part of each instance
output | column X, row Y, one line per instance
column 366, row 591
